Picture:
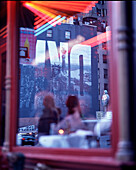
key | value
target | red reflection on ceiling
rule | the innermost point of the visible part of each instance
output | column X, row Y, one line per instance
column 76, row 6
column 54, row 8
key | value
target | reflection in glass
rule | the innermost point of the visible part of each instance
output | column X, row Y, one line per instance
column 64, row 63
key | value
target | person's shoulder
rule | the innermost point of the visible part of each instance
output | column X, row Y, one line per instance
column 77, row 115
column 69, row 117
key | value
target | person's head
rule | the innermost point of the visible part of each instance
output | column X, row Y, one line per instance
column 72, row 103
column 49, row 101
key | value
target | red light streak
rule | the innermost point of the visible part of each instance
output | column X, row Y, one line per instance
column 3, row 33
column 50, row 10
column 34, row 11
column 98, row 39
column 78, row 6
column 54, row 8
column 5, row 36
column 3, row 45
column 42, row 23
column 69, row 8
column 43, row 16
column 67, row 5
column 40, row 20
column 37, row 18
column 3, row 28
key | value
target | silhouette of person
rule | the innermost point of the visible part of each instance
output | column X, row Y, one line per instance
column 50, row 115
column 72, row 121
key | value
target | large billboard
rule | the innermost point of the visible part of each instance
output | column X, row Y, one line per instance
column 62, row 66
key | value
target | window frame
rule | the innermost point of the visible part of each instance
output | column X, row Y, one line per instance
column 67, row 31
column 49, row 33
column 105, row 73
column 64, row 155
column 105, row 60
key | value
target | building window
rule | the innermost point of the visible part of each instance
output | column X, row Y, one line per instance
column 104, row 46
column 67, row 35
column 102, row 12
column 98, row 73
column 99, row 88
column 98, row 12
column 105, row 86
column 105, row 12
column 98, row 58
column 105, row 73
column 104, row 58
column 49, row 33
column 99, row 104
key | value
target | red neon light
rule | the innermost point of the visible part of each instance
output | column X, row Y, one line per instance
column 44, row 22
column 3, row 45
column 43, row 17
column 4, row 32
column 82, row 4
column 3, row 28
column 5, row 36
column 40, row 24
column 78, row 6
column 34, row 11
column 98, row 39
column 39, row 20
column 37, row 26
column 69, row 8
column 50, row 10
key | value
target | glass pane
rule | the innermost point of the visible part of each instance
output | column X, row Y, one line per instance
column 64, row 80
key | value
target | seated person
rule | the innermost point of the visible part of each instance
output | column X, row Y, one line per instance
column 72, row 121
column 50, row 115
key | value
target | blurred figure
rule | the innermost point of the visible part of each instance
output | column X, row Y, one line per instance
column 50, row 115
column 72, row 121
column 103, row 126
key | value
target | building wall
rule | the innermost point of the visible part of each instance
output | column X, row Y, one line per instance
column 39, row 76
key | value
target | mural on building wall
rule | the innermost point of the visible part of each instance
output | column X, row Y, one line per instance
column 61, row 67
column 27, row 39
